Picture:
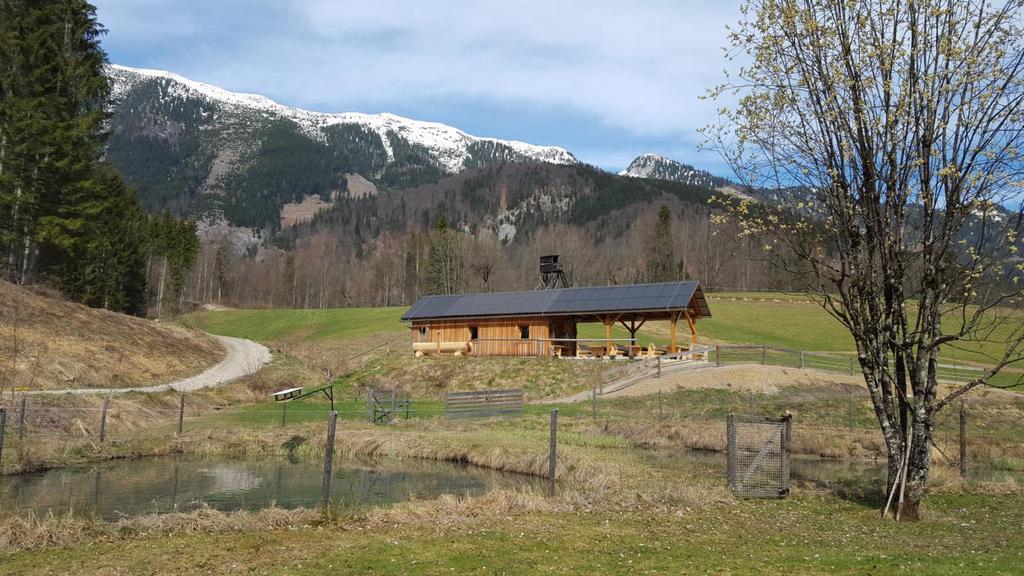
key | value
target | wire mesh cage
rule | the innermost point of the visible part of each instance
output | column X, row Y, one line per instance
column 757, row 463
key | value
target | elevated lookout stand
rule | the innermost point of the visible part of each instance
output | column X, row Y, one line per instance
column 544, row 322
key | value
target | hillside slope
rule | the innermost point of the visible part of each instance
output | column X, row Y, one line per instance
column 48, row 343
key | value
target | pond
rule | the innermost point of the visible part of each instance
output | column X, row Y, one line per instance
column 113, row 490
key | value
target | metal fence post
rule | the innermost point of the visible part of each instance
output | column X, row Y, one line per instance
column 553, row 450
column 3, row 425
column 103, row 419
column 325, row 483
column 181, row 414
column 369, row 405
column 718, row 356
column 21, row 419
column 730, row 449
column 963, row 439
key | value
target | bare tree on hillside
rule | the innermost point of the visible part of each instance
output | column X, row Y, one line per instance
column 900, row 125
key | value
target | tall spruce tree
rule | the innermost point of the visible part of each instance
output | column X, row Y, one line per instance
column 66, row 218
column 661, row 266
column 444, row 264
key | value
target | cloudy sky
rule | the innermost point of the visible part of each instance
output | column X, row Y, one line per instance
column 606, row 79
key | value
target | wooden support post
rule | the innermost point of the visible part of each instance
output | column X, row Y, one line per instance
column 21, row 419
column 103, row 419
column 3, row 426
column 181, row 414
column 693, row 329
column 672, row 340
column 284, row 414
column 553, row 450
column 325, row 482
column 963, row 439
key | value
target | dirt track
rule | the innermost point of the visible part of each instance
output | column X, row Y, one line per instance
column 243, row 357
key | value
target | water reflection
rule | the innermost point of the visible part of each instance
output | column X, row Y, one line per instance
column 164, row 484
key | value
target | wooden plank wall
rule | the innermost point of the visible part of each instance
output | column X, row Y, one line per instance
column 505, row 329
column 484, row 403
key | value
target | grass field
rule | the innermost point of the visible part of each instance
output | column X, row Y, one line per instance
column 774, row 319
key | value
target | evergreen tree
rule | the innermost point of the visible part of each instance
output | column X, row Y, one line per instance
column 444, row 264
column 661, row 265
column 67, row 218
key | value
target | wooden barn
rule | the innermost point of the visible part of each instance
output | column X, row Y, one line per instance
column 544, row 322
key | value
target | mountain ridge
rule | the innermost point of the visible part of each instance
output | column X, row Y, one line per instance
column 444, row 135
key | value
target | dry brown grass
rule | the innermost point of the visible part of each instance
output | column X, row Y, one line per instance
column 26, row 533
column 49, row 343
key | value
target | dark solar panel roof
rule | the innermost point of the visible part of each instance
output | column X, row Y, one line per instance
column 595, row 300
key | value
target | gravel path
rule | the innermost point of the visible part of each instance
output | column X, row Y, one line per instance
column 243, row 357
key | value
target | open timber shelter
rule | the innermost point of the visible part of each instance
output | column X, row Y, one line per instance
column 544, row 322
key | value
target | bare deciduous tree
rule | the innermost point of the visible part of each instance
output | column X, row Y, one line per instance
column 893, row 133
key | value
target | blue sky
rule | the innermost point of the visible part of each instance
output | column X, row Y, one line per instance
column 608, row 80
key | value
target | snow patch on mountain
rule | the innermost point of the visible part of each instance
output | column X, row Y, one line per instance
column 448, row 145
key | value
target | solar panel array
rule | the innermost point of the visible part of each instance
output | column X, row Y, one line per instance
column 594, row 300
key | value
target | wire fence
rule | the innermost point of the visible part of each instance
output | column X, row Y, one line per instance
column 835, row 362
column 829, row 421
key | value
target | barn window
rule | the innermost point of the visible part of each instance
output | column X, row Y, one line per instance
column 474, row 333
column 524, row 332
column 423, row 330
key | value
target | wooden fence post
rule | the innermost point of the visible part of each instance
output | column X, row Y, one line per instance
column 661, row 406
column 718, row 356
column 284, row 414
column 801, row 359
column 103, row 419
column 593, row 401
column 659, row 367
column 181, row 414
column 851, row 365
column 21, row 419
column 752, row 401
column 764, row 354
column 849, row 411
column 325, row 483
column 3, row 425
column 553, row 450
column 963, row 439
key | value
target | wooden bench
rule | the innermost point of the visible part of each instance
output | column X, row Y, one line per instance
column 483, row 403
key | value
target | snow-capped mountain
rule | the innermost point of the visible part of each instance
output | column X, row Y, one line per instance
column 662, row 168
column 196, row 148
